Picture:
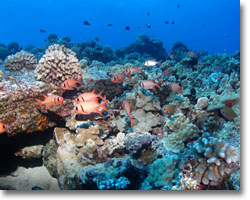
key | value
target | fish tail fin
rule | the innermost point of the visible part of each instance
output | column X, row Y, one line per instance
column 100, row 95
column 100, row 115
column 40, row 102
column 158, row 84
column 127, row 75
column 103, row 105
column 142, row 70
column 79, row 80
column 131, row 121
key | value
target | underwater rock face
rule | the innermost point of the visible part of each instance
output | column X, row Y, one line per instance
column 17, row 103
column 49, row 157
column 26, row 179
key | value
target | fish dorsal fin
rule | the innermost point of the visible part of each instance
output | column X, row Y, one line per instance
column 93, row 91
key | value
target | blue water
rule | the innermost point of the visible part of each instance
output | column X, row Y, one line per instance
column 209, row 25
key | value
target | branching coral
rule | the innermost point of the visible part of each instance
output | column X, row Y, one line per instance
column 20, row 60
column 57, row 65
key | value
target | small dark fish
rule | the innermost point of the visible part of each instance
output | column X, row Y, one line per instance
column 178, row 6
column 193, row 92
column 172, row 22
column 148, row 13
column 97, row 39
column 170, row 109
column 45, row 40
column 226, row 35
column 86, row 23
column 208, row 38
column 166, row 22
column 203, row 25
column 109, row 25
column 127, row 28
column 138, row 27
column 228, row 113
column 42, row 31
column 148, row 25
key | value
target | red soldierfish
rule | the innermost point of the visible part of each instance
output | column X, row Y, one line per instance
column 50, row 101
column 3, row 128
column 127, row 109
column 134, row 70
column 171, row 55
column 86, row 108
column 191, row 54
column 119, row 78
column 89, row 96
column 70, row 84
column 175, row 87
column 150, row 85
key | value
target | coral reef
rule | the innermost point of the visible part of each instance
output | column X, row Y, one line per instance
column 179, row 140
column 20, row 60
column 90, row 51
column 145, row 47
column 57, row 65
column 10, row 49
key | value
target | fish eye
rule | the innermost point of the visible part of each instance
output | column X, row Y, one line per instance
column 64, row 85
column 77, row 99
column 58, row 99
column 76, row 108
column 4, row 126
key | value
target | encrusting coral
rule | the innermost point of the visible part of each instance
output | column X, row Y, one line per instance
column 182, row 130
column 162, row 174
column 20, row 60
column 57, row 65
